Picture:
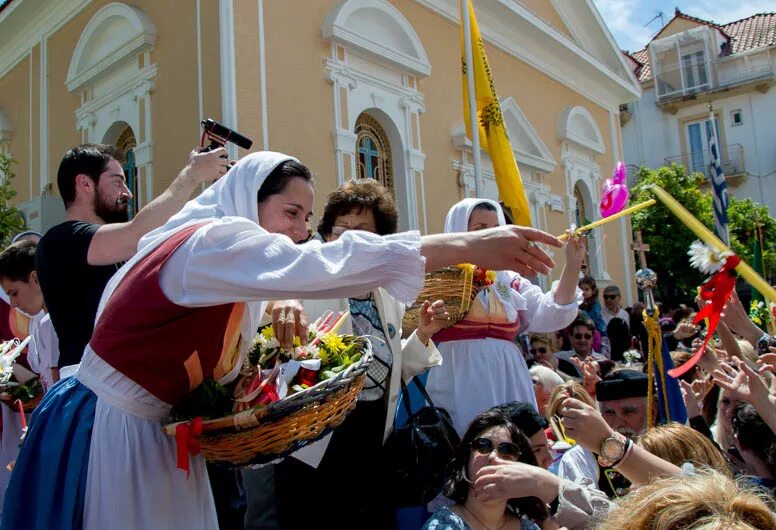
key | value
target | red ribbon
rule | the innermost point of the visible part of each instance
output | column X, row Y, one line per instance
column 186, row 435
column 716, row 291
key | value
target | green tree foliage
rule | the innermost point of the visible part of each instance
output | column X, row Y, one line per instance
column 669, row 239
column 11, row 221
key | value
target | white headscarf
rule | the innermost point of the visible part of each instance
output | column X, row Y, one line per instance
column 233, row 195
column 457, row 219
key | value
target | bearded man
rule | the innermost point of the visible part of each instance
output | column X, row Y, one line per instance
column 76, row 258
column 622, row 401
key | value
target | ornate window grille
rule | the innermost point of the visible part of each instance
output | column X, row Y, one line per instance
column 374, row 151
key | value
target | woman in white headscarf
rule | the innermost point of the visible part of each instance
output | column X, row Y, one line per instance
column 184, row 309
column 481, row 363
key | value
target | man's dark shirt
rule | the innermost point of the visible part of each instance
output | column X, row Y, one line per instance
column 71, row 287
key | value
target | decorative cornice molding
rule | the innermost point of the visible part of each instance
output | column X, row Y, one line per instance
column 335, row 28
column 79, row 75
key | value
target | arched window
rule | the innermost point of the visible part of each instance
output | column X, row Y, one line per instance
column 374, row 151
column 127, row 142
column 581, row 219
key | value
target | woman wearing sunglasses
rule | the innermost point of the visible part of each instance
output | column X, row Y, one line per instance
column 491, row 441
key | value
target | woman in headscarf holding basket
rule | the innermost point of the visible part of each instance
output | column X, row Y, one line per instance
column 482, row 365
column 185, row 309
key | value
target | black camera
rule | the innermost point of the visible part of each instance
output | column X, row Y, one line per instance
column 219, row 135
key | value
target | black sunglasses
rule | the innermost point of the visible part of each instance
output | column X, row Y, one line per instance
column 539, row 350
column 610, row 296
column 579, row 336
column 506, row 450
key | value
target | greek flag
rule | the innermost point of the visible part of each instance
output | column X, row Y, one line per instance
column 718, row 185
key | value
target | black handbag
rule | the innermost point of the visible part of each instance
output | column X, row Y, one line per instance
column 418, row 452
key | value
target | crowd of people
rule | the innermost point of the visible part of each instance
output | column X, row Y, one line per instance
column 547, row 390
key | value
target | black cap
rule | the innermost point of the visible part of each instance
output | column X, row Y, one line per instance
column 622, row 384
column 524, row 416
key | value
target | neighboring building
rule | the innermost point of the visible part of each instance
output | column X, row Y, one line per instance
column 690, row 64
column 353, row 88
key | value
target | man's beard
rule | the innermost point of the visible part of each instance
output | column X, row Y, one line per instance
column 111, row 212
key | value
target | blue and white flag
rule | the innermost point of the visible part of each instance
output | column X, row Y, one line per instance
column 718, row 185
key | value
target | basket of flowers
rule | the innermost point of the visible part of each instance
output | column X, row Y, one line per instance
column 458, row 286
column 18, row 385
column 282, row 401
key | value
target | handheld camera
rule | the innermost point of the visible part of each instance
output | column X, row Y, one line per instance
column 218, row 135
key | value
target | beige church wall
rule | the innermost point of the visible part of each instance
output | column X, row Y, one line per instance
column 211, row 60
column 174, row 99
column 62, row 104
column 544, row 10
column 246, row 50
column 299, row 98
column 15, row 102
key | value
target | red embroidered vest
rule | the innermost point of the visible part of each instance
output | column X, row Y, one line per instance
column 166, row 348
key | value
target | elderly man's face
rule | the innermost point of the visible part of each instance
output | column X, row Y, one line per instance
column 627, row 416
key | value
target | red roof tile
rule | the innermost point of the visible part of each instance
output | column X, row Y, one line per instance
column 746, row 34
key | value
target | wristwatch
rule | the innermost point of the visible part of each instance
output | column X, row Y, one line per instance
column 764, row 343
column 613, row 449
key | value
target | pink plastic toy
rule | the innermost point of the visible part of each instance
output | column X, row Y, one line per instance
column 615, row 193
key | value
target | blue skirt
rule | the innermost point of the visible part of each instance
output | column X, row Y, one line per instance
column 48, row 483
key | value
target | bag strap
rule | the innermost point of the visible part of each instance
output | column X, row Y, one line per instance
column 406, row 395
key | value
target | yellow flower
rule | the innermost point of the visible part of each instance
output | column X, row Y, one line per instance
column 333, row 342
column 268, row 333
column 297, row 342
column 490, row 276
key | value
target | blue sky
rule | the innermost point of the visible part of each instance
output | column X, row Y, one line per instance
column 627, row 18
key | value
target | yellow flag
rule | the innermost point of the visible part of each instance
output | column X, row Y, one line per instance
column 492, row 130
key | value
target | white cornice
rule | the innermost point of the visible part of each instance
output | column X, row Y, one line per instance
column 335, row 27
column 23, row 27
column 516, row 30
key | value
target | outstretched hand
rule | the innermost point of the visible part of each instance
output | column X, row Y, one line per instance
column 513, row 248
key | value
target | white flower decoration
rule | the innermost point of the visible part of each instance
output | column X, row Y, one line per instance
column 706, row 259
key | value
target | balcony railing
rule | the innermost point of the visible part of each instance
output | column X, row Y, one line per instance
column 698, row 161
column 673, row 82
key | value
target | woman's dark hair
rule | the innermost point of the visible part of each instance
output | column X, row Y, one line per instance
column 754, row 435
column 356, row 196
column 85, row 159
column 619, row 338
column 487, row 206
column 279, row 177
column 457, row 486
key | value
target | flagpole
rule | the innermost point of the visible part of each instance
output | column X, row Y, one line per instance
column 474, row 124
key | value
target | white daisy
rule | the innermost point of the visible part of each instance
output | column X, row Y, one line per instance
column 706, row 259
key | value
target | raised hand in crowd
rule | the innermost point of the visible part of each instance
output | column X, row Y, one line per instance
column 586, row 425
column 512, row 480
column 591, row 373
column 767, row 362
column 744, row 384
column 432, row 318
column 736, row 318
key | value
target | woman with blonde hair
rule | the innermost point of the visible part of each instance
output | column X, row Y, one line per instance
column 707, row 500
column 679, row 443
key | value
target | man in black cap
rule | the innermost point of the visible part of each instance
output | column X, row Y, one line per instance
column 622, row 401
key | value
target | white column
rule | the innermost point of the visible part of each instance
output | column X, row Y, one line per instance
column 228, row 70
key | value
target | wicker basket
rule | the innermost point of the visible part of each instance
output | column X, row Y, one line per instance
column 258, row 436
column 456, row 286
